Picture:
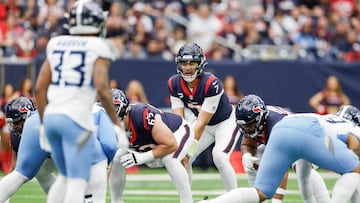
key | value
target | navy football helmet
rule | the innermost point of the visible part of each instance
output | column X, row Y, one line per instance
column 191, row 52
column 251, row 115
column 85, row 17
column 350, row 113
column 121, row 103
column 17, row 111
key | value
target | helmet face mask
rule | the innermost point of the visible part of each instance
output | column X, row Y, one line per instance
column 249, row 129
column 350, row 113
column 17, row 112
column 16, row 126
column 193, row 55
column 251, row 115
column 121, row 103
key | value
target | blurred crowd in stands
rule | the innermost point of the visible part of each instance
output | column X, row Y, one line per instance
column 321, row 30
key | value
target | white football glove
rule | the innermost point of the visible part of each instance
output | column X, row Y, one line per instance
column 43, row 140
column 123, row 141
column 136, row 158
column 248, row 162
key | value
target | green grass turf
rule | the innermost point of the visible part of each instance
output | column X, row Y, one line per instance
column 155, row 186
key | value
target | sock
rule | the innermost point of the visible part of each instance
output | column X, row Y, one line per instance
column 251, row 179
column 303, row 171
column 276, row 200
column 179, row 178
column 344, row 187
column 98, row 182
column 57, row 190
column 117, row 180
column 239, row 195
column 10, row 184
column 227, row 172
column 75, row 190
column 189, row 169
column 320, row 190
column 44, row 176
column 46, row 181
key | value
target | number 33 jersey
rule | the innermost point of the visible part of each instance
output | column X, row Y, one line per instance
column 72, row 91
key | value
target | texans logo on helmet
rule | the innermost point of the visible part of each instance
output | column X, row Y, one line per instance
column 23, row 109
column 116, row 101
column 257, row 109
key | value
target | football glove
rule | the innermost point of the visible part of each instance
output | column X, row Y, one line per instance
column 123, row 141
column 248, row 163
column 136, row 158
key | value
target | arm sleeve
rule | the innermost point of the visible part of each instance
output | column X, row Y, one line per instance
column 176, row 102
column 102, row 48
column 211, row 103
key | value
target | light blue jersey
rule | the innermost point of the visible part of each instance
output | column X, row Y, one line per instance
column 68, row 122
column 310, row 137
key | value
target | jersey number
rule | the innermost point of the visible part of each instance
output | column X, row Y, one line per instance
column 77, row 68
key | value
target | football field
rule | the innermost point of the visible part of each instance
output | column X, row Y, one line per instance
column 155, row 186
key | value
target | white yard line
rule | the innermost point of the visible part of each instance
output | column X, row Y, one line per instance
column 209, row 176
column 205, row 176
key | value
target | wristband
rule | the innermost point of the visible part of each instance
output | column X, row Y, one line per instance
column 280, row 191
column 193, row 147
column 148, row 156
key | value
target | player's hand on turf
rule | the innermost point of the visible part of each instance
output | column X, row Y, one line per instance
column 249, row 163
column 136, row 158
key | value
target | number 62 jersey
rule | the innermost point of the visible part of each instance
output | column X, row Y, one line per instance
column 72, row 91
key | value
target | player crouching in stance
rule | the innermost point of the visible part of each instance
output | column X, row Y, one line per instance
column 256, row 121
column 157, row 139
column 352, row 114
column 313, row 138
column 31, row 160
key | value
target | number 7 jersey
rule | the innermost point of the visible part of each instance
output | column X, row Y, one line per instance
column 72, row 91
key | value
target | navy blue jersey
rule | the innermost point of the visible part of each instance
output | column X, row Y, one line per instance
column 142, row 120
column 208, row 86
column 276, row 113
